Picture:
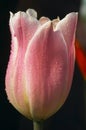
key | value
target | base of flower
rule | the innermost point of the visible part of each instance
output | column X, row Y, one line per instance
column 37, row 125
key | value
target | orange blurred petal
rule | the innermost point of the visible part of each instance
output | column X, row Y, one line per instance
column 81, row 58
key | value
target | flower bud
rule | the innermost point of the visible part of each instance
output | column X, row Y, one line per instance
column 41, row 64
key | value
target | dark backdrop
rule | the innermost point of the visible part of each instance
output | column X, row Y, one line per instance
column 70, row 116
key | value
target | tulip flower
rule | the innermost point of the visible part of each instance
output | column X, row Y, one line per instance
column 41, row 64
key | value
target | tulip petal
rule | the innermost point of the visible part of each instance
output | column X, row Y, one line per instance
column 43, row 20
column 68, row 28
column 46, row 64
column 31, row 12
column 23, row 26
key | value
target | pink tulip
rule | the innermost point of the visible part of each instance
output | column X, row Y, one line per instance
column 41, row 64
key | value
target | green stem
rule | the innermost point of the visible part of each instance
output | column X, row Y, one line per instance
column 38, row 125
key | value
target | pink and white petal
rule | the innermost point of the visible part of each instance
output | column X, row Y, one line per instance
column 46, row 67
column 23, row 26
column 68, row 27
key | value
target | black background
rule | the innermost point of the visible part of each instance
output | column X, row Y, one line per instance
column 71, row 115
